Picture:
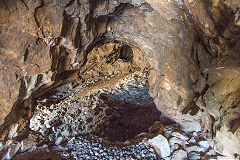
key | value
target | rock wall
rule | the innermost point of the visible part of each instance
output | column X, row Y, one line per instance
column 191, row 45
column 218, row 26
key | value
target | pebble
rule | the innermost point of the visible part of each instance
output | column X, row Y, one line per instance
column 59, row 140
column 204, row 145
column 179, row 155
column 195, row 134
column 175, row 140
column 179, row 135
column 193, row 156
column 211, row 152
column 193, row 148
column 192, row 140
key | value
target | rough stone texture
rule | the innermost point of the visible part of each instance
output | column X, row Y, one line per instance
column 161, row 146
column 219, row 29
column 192, row 46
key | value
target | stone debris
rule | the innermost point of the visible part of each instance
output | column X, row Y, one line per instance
column 176, row 140
column 161, row 145
column 192, row 140
column 194, row 155
column 179, row 135
column 68, row 123
column 193, row 148
column 204, row 145
column 179, row 155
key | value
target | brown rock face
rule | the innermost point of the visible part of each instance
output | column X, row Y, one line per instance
column 192, row 47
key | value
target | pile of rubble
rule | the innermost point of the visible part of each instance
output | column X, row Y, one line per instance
column 66, row 125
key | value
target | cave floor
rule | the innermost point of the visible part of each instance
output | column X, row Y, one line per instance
column 117, row 120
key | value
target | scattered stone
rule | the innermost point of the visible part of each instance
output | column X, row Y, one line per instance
column 211, row 152
column 69, row 125
column 204, row 145
column 175, row 140
column 179, row 135
column 59, row 140
column 161, row 146
column 45, row 146
column 195, row 134
column 193, row 156
column 179, row 155
column 192, row 140
column 193, row 148
column 174, row 147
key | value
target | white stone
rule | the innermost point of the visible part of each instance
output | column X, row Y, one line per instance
column 204, row 145
column 193, row 149
column 211, row 152
column 174, row 147
column 175, row 140
column 1, row 146
column 179, row 155
column 195, row 134
column 161, row 145
column 59, row 140
column 179, row 135
column 192, row 140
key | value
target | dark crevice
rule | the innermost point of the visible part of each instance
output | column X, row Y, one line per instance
column 25, row 4
column 26, row 53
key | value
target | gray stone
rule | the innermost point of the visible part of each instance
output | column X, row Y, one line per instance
column 12, row 150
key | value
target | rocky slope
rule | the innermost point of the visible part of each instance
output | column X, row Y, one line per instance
column 192, row 47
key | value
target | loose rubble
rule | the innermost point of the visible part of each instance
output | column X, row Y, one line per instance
column 66, row 123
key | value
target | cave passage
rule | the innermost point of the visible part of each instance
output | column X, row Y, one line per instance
column 111, row 99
